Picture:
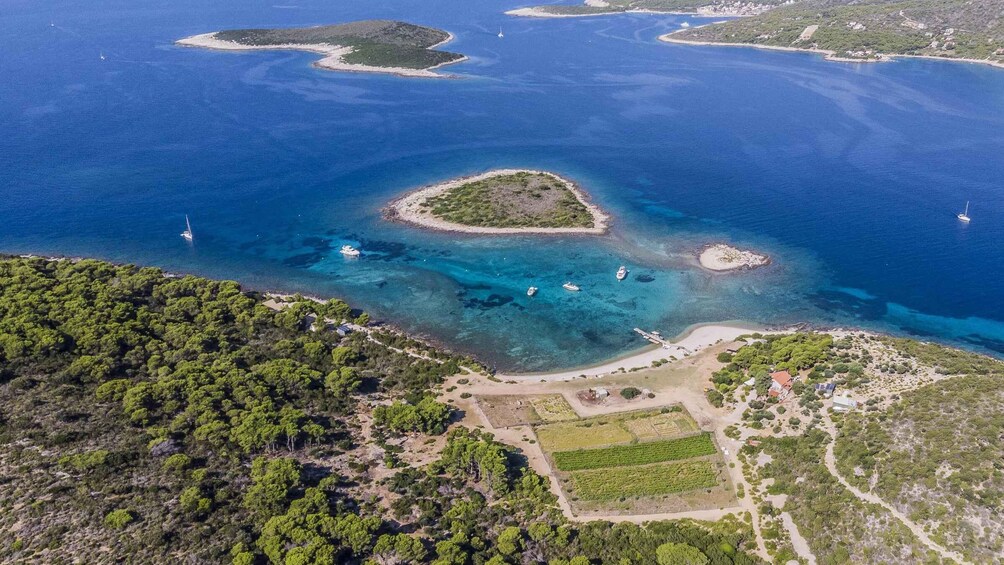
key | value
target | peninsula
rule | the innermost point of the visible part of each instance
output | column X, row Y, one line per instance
column 506, row 201
column 607, row 7
column 872, row 31
column 722, row 257
column 376, row 46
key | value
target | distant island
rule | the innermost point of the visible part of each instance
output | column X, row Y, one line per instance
column 380, row 46
column 722, row 257
column 844, row 30
column 606, row 7
column 506, row 201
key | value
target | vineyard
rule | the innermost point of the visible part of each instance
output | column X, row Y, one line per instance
column 640, row 481
column 615, row 429
column 635, row 454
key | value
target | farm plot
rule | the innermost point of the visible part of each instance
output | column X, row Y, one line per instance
column 661, row 426
column 636, row 454
column 553, row 408
column 583, row 434
column 644, row 480
column 505, row 411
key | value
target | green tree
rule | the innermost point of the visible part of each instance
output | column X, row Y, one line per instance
column 679, row 554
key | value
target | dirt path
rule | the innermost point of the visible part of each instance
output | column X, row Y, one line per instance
column 831, row 465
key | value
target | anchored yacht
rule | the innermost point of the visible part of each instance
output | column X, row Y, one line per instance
column 622, row 273
column 964, row 216
column 571, row 287
column 349, row 251
column 187, row 234
column 531, row 291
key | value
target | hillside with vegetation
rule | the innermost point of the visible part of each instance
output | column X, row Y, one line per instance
column 870, row 29
column 704, row 7
column 148, row 418
column 936, row 454
column 379, row 43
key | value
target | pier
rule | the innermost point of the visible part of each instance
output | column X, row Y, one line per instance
column 654, row 337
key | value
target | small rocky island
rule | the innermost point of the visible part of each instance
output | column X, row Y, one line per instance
column 722, row 257
column 507, row 201
column 380, row 46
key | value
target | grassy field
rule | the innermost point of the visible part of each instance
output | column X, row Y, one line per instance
column 636, row 454
column 616, row 429
column 643, row 481
column 381, row 43
column 553, row 408
column 519, row 200
column 575, row 435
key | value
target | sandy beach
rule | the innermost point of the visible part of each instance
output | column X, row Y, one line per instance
column 409, row 208
column 691, row 341
column 722, row 257
column 827, row 54
column 332, row 60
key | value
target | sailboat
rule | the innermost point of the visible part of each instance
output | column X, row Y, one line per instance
column 964, row 216
column 570, row 286
column 501, row 35
column 187, row 234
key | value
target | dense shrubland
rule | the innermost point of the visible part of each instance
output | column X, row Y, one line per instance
column 147, row 418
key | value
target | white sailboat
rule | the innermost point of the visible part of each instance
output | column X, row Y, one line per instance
column 349, row 251
column 531, row 291
column 571, row 287
column 501, row 35
column 622, row 273
column 964, row 216
column 187, row 234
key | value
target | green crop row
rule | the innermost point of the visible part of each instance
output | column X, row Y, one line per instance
column 649, row 480
column 635, row 454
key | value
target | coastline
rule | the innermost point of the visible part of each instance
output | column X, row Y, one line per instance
column 828, row 55
column 690, row 341
column 408, row 208
column 537, row 12
column 332, row 59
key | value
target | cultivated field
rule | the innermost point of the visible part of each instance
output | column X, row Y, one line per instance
column 616, row 429
column 644, row 480
column 505, row 411
column 641, row 462
column 635, row 454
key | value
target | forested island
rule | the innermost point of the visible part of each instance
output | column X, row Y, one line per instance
column 506, row 201
column 871, row 30
column 367, row 46
column 150, row 418
column 606, row 7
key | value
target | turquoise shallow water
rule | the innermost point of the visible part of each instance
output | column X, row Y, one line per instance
column 849, row 176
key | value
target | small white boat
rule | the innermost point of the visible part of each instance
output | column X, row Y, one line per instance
column 531, row 291
column 501, row 35
column 187, row 234
column 571, row 287
column 964, row 216
column 684, row 24
column 349, row 251
column 622, row 273
column 102, row 56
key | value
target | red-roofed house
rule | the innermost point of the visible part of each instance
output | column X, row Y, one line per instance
column 781, row 382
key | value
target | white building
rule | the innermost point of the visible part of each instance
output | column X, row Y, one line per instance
column 843, row 403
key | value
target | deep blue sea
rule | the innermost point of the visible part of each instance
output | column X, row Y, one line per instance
column 849, row 176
